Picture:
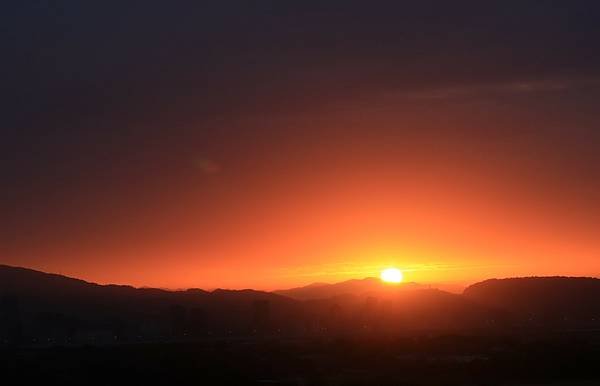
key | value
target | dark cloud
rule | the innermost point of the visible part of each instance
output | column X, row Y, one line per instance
column 71, row 58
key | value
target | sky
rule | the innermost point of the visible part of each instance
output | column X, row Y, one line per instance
column 270, row 144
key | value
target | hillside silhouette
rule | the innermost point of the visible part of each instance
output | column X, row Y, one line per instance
column 37, row 308
column 53, row 308
column 360, row 287
column 543, row 301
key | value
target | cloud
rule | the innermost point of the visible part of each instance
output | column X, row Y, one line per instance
column 360, row 270
column 502, row 88
column 207, row 166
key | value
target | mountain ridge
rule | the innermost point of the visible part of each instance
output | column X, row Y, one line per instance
column 361, row 287
column 37, row 306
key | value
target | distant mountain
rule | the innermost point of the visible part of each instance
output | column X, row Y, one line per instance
column 542, row 300
column 41, row 308
column 61, row 308
column 358, row 287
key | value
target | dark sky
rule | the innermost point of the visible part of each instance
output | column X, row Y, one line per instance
column 269, row 143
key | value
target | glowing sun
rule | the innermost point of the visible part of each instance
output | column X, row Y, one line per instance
column 392, row 275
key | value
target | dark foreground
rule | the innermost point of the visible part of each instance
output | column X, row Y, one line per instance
column 565, row 359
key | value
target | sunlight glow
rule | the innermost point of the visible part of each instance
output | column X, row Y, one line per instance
column 392, row 275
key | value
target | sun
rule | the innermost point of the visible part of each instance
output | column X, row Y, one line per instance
column 391, row 275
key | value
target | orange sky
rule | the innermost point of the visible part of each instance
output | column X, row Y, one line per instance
column 343, row 196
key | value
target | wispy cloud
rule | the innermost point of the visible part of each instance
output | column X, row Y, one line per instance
column 362, row 270
column 502, row 88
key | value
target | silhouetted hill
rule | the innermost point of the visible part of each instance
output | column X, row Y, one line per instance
column 59, row 308
column 404, row 312
column 359, row 287
column 41, row 292
column 542, row 301
column 40, row 308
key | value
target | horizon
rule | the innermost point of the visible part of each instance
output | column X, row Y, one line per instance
column 451, row 287
column 456, row 285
